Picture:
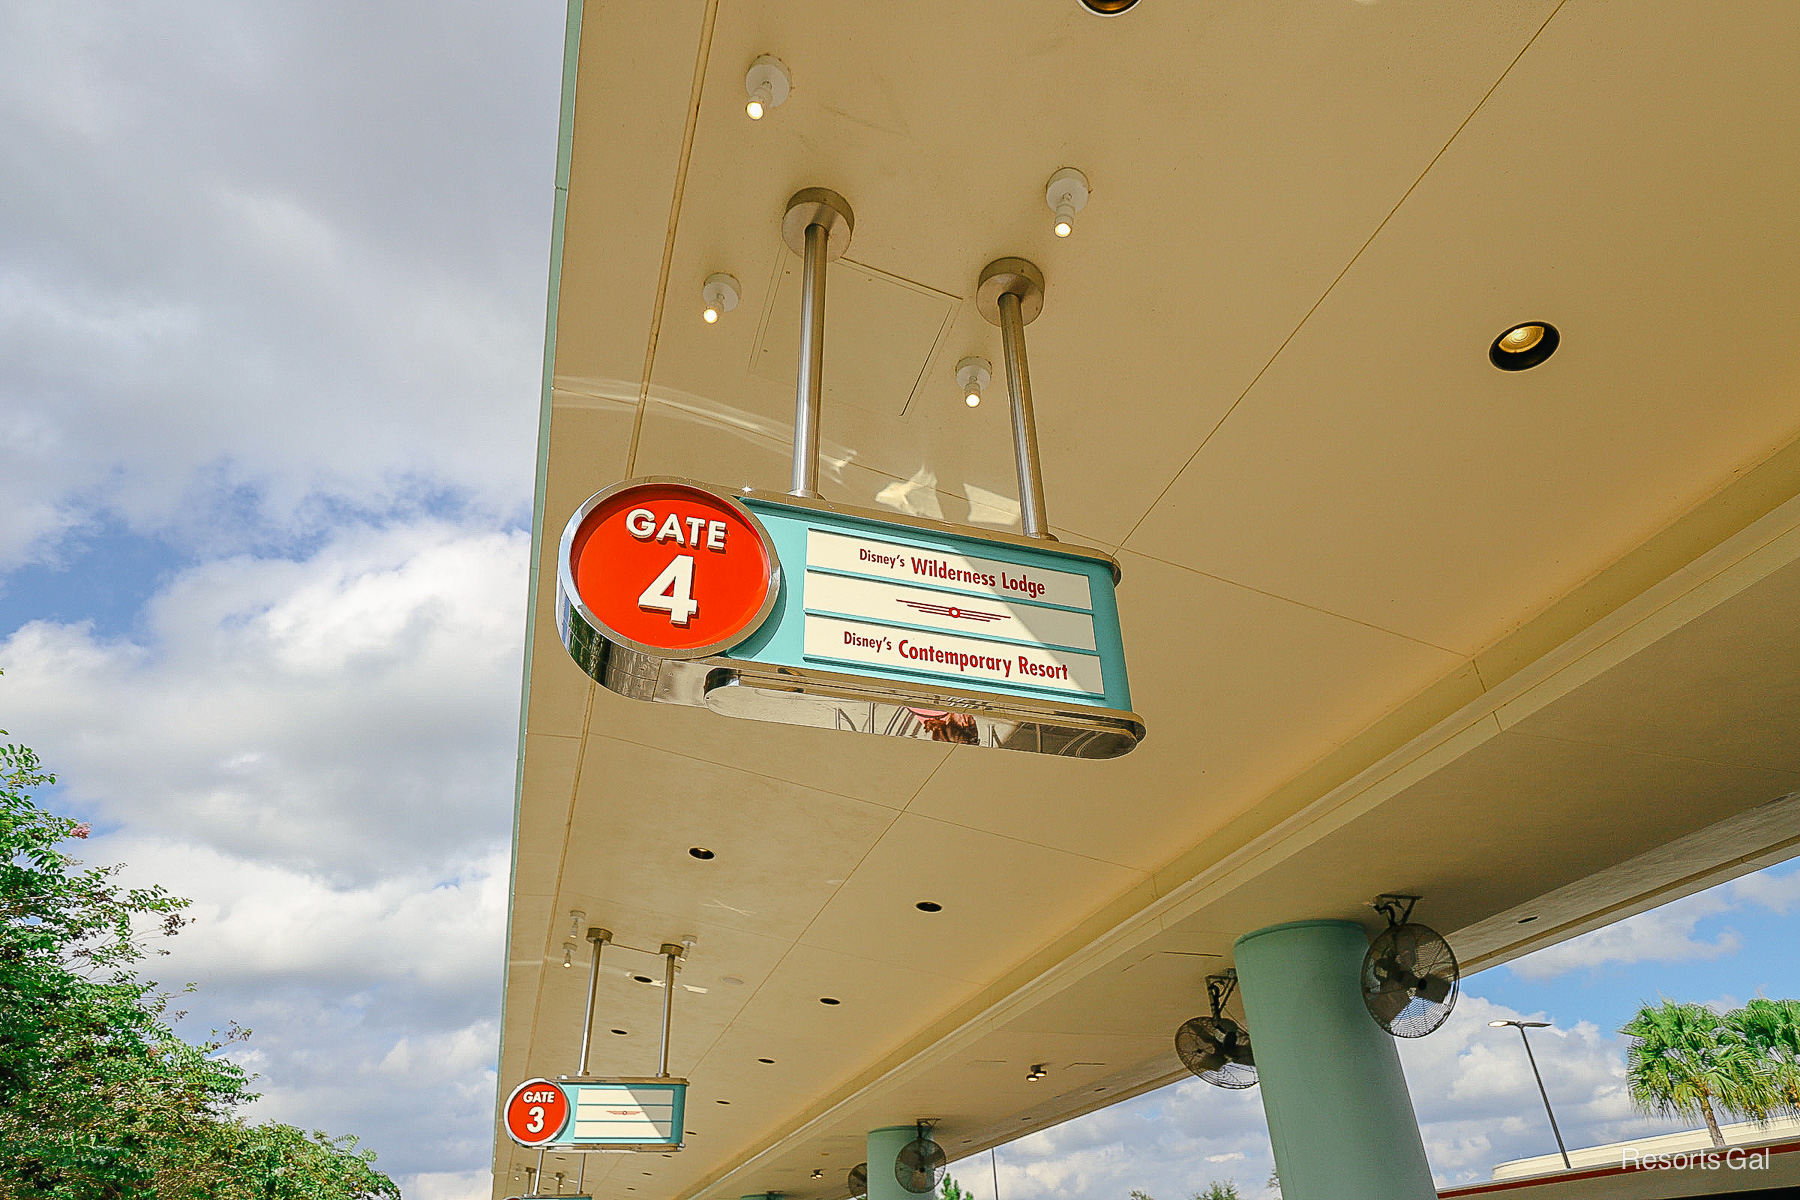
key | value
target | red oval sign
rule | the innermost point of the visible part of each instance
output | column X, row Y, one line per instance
column 536, row 1112
column 671, row 568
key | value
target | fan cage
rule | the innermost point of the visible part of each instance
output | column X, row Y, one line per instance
column 1400, row 961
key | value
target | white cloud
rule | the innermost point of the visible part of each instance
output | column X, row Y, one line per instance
column 1665, row 934
column 351, row 714
column 1778, row 892
column 262, row 265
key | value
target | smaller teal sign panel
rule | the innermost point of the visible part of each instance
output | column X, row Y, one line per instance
column 627, row 1113
column 886, row 600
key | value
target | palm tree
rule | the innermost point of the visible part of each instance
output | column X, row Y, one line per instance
column 1771, row 1028
column 1684, row 1059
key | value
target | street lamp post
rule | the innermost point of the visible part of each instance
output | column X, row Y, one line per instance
column 1522, row 1026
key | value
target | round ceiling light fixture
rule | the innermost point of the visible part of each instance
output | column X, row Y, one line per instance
column 1107, row 8
column 719, row 295
column 973, row 375
column 766, row 84
column 1524, row 346
column 1066, row 194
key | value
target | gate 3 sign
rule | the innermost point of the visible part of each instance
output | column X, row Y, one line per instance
column 621, row 1114
column 809, row 613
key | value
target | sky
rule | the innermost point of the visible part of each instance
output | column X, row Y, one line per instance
column 271, row 315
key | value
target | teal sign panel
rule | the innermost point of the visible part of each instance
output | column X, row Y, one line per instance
column 921, row 605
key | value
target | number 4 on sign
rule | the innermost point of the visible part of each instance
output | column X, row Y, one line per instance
column 673, row 591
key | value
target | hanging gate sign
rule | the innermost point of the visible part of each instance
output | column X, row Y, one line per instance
column 805, row 612
column 620, row 1114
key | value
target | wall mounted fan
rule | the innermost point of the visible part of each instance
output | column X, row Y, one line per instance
column 859, row 1181
column 919, row 1167
column 1409, row 975
column 1217, row 1048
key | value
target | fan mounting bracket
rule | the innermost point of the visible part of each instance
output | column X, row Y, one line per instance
column 1396, row 908
column 1219, row 989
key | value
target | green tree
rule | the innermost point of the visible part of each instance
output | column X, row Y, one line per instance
column 1218, row 1189
column 1137, row 1195
column 953, row 1190
column 1771, row 1030
column 99, row 1098
column 1684, row 1059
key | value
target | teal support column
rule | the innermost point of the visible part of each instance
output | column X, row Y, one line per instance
column 1339, row 1113
column 883, row 1146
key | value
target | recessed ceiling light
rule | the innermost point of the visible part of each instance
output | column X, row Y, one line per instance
column 929, row 906
column 818, row 1173
column 643, row 979
column 1524, row 346
column 700, row 852
column 770, row 1061
column 731, row 981
column 1526, row 920
column 721, row 1102
column 1107, row 8
column 620, row 1032
column 829, row 1000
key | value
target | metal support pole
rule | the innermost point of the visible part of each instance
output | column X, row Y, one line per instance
column 670, row 952
column 1010, row 294
column 810, row 389
column 1024, row 421
column 817, row 227
column 1532, row 1059
column 599, row 937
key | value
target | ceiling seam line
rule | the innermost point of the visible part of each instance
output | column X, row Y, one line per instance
column 926, row 782
column 1354, row 259
column 1308, row 607
column 668, row 255
column 848, row 876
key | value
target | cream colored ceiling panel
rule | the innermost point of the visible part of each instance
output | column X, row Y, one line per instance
column 1001, row 898
column 883, row 331
column 1685, row 694
column 1146, row 993
column 885, row 771
column 782, row 850
column 1239, row 155
column 1617, row 184
column 882, row 993
column 1239, row 690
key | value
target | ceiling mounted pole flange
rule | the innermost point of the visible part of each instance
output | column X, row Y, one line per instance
column 1010, row 294
column 817, row 227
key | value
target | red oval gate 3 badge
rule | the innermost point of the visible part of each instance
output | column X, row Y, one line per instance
column 536, row 1112
column 669, row 568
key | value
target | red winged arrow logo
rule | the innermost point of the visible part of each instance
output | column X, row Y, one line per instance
column 961, row 614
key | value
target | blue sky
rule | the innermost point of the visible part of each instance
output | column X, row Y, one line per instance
column 271, row 315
